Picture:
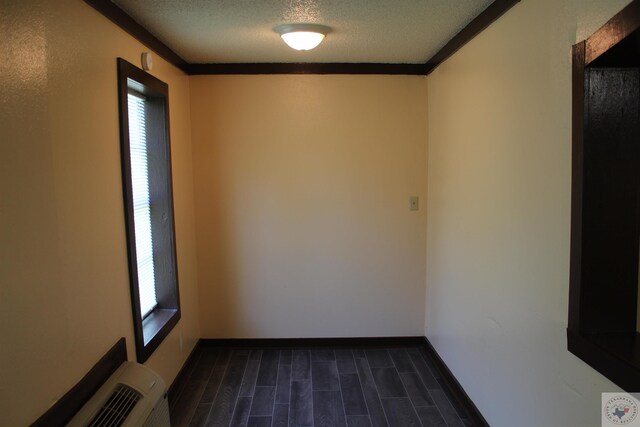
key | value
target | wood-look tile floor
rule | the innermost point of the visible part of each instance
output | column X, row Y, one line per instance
column 318, row 387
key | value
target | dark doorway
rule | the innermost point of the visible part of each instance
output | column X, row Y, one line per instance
column 605, row 223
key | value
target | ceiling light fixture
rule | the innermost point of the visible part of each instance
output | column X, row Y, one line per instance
column 302, row 36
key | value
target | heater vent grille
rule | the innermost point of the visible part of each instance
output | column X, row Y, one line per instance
column 115, row 410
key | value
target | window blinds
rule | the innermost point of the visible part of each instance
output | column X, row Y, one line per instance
column 141, row 203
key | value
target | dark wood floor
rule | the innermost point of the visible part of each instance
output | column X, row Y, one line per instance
column 314, row 387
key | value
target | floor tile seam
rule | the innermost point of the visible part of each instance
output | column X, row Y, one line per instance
column 275, row 389
column 254, row 384
column 206, row 382
column 375, row 386
column 344, row 409
column 406, row 392
column 423, row 353
column 213, row 402
column 362, row 388
column 427, row 388
column 190, row 373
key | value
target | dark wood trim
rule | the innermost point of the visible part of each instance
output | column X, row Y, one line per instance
column 308, row 68
column 577, row 129
column 475, row 27
column 614, row 31
column 128, row 24
column 313, row 342
column 126, row 69
column 619, row 365
column 182, row 377
column 69, row 404
column 454, row 386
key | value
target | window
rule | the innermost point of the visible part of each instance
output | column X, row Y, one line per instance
column 148, row 203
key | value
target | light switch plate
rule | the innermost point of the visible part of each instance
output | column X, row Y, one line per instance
column 413, row 203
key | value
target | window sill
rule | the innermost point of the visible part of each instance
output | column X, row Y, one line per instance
column 154, row 323
column 155, row 328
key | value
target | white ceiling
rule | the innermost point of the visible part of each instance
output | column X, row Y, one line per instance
column 241, row 31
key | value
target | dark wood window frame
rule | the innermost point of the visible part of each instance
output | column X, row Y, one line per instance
column 604, row 227
column 153, row 329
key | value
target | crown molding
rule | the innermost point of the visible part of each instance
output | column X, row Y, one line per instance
column 137, row 31
column 111, row 11
column 308, row 68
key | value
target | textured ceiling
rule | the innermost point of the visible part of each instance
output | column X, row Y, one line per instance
column 241, row 31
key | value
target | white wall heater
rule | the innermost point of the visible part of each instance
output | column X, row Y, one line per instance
column 133, row 396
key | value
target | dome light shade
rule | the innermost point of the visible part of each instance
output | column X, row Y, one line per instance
column 302, row 36
column 302, row 40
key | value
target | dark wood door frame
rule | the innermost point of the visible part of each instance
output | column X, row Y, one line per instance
column 601, row 333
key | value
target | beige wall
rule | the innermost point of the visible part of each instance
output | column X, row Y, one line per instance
column 64, row 286
column 302, row 187
column 499, row 217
